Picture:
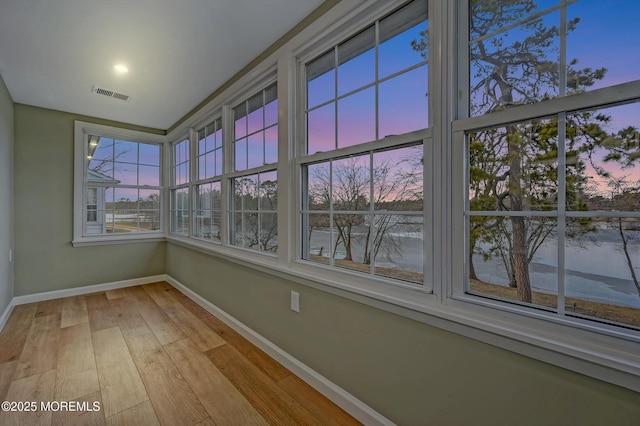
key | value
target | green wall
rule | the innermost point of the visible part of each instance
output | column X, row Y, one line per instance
column 6, row 196
column 412, row 373
column 45, row 259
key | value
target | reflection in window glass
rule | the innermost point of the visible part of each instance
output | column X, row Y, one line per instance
column 122, row 186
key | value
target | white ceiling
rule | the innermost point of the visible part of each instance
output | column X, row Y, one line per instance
column 52, row 52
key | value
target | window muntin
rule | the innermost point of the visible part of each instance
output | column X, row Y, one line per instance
column 525, row 52
column 122, row 186
column 362, row 210
column 372, row 85
column 209, row 155
column 181, row 163
column 179, row 191
column 253, row 212
column 548, row 199
column 256, row 129
column 365, row 213
column 208, row 212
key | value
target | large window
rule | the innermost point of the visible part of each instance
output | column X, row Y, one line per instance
column 207, row 211
column 119, row 178
column 367, row 111
column 253, row 206
column 551, row 194
column 179, row 193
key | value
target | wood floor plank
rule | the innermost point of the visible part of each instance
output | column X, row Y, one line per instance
column 264, row 362
column 164, row 329
column 129, row 319
column 7, row 370
column 316, row 403
column 15, row 332
column 21, row 317
column 49, row 307
column 141, row 414
column 100, row 314
column 206, row 422
column 37, row 388
column 40, row 351
column 224, row 403
column 192, row 327
column 120, row 383
column 159, row 292
column 172, row 398
column 274, row 404
column 77, row 372
column 74, row 311
column 117, row 293
column 91, row 416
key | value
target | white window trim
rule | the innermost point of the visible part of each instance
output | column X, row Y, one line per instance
column 81, row 130
column 611, row 355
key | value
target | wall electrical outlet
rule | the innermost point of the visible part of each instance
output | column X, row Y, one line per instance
column 295, row 301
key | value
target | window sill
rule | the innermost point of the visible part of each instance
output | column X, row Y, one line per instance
column 587, row 350
column 109, row 240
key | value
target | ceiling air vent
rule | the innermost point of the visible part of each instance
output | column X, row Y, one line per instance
column 110, row 93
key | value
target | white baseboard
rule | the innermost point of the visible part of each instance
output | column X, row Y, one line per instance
column 56, row 294
column 5, row 315
column 335, row 393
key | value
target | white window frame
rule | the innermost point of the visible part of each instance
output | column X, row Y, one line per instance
column 611, row 354
column 82, row 131
column 612, row 350
column 173, row 186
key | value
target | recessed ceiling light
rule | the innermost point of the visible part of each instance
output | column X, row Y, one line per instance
column 121, row 69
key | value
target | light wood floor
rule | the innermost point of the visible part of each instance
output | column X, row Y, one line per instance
column 148, row 355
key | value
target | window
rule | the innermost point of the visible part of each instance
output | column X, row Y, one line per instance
column 118, row 174
column 179, row 192
column 366, row 120
column 551, row 192
column 253, row 206
column 208, row 189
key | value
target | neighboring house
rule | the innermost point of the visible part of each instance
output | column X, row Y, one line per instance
column 95, row 205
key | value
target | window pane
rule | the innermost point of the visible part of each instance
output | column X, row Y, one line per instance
column 321, row 128
column 321, row 80
column 318, row 186
column 149, row 175
column 271, row 145
column 404, row 103
column 403, row 39
column 397, row 247
column 271, row 113
column 514, row 258
column 256, row 120
column 514, row 168
column 240, row 127
column 103, row 150
column 255, row 147
column 351, row 183
column 268, row 191
column 125, row 174
column 357, row 62
column 603, row 156
column 241, row 154
column 350, row 242
column 608, row 290
column 318, row 234
column 149, row 154
column 126, row 152
column 604, row 37
column 268, row 238
column 357, row 118
column 398, row 179
column 218, row 162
